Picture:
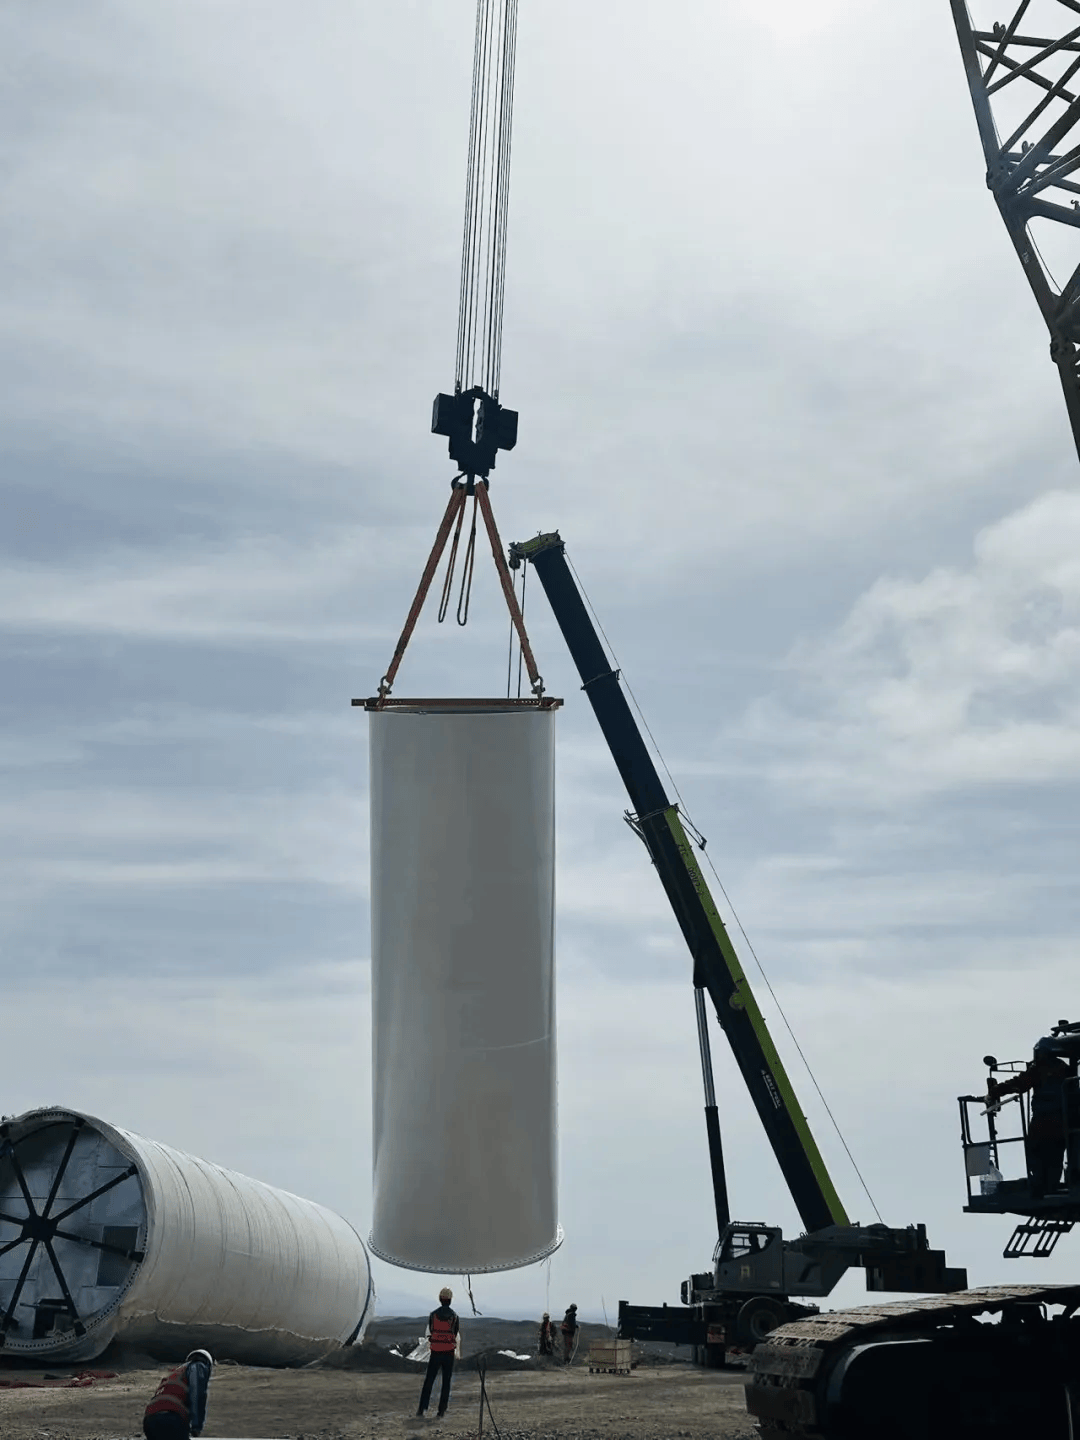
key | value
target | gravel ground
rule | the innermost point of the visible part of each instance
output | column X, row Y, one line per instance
column 661, row 1401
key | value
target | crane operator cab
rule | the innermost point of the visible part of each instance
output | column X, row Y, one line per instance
column 1022, row 1142
column 749, row 1257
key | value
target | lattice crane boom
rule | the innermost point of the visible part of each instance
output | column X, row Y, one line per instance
column 1024, row 78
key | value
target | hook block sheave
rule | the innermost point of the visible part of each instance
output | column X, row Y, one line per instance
column 477, row 427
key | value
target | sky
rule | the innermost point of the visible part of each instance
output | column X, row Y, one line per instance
column 786, row 395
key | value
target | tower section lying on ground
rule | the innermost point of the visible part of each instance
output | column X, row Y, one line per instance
column 105, row 1235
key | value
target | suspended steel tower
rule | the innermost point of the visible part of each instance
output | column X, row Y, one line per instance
column 1024, row 75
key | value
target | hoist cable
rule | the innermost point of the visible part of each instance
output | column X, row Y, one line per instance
column 466, row 238
column 465, row 594
column 509, row 594
column 453, row 506
column 451, row 564
column 504, row 212
column 794, row 1040
column 510, row 649
column 481, row 227
column 510, row 659
column 521, row 657
column 487, row 192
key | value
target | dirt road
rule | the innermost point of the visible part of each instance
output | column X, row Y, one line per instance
column 668, row 1402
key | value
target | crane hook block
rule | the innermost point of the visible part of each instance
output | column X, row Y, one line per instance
column 477, row 427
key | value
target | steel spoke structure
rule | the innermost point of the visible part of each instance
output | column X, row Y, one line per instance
column 1023, row 71
column 39, row 1228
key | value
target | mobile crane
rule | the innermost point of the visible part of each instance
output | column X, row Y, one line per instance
column 923, row 1369
column 755, row 1271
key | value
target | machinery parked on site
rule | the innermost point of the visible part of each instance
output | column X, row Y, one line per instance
column 755, row 1274
column 999, row 1362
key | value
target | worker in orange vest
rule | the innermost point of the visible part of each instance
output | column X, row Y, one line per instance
column 444, row 1339
column 569, row 1328
column 178, row 1409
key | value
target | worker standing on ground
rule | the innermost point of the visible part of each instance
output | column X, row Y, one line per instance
column 546, row 1342
column 444, row 1337
column 178, row 1409
column 569, row 1328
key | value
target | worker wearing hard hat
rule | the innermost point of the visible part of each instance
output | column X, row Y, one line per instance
column 444, row 1337
column 569, row 1328
column 546, row 1341
column 1047, row 1078
column 178, row 1409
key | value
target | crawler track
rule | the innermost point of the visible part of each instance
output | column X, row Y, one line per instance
column 924, row 1368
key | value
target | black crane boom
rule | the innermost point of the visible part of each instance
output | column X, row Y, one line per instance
column 716, row 966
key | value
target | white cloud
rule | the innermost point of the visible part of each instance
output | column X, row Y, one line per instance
column 253, row 590
column 969, row 676
column 749, row 385
column 126, row 838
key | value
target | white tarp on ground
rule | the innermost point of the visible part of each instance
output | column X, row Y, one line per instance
column 463, row 995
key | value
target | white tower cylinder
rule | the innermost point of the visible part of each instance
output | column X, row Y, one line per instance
column 463, row 991
column 107, row 1236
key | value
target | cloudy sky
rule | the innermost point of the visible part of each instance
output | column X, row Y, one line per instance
column 785, row 393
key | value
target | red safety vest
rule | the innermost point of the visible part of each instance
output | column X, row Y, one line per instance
column 442, row 1337
column 172, row 1395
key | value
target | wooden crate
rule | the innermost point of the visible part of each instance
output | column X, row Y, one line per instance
column 609, row 1357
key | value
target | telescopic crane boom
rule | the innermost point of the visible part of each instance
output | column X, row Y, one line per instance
column 993, row 1363
column 755, row 1270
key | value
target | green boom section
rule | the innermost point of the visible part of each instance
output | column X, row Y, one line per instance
column 716, row 968
column 742, row 998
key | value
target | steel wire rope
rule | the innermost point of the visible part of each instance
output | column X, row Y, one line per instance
column 465, row 594
column 508, row 113
column 494, row 180
column 500, row 187
column 466, row 246
column 723, row 891
column 521, row 652
column 473, row 200
column 513, row 632
column 502, row 198
column 451, row 565
column 510, row 658
column 481, row 179
column 482, row 286
column 483, row 247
